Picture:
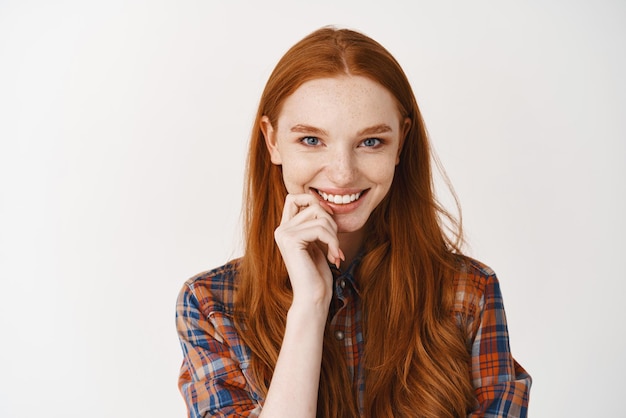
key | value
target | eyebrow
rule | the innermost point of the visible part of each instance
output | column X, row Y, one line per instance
column 307, row 129
column 376, row 129
column 372, row 130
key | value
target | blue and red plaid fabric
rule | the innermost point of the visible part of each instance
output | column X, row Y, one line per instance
column 214, row 377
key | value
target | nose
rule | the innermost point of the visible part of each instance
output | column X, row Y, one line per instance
column 342, row 169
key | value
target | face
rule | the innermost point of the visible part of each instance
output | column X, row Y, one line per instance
column 339, row 139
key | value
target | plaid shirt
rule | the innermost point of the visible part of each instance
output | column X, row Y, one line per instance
column 214, row 377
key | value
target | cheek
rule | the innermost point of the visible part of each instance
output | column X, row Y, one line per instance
column 294, row 177
column 384, row 173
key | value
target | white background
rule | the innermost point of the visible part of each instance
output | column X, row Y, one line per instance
column 124, row 127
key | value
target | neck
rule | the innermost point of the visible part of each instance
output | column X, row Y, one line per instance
column 350, row 243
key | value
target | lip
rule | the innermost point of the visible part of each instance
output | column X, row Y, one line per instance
column 339, row 209
column 339, row 191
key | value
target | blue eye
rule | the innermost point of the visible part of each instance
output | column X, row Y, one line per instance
column 310, row 140
column 371, row 142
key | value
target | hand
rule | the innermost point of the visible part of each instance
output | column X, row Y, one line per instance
column 306, row 238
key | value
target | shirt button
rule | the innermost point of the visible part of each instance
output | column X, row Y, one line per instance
column 342, row 283
column 339, row 335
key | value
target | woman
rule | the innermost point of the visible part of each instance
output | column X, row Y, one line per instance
column 350, row 300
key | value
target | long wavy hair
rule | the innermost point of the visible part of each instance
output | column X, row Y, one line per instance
column 416, row 360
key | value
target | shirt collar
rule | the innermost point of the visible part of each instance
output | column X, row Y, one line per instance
column 348, row 274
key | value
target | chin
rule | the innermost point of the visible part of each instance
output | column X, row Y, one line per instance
column 347, row 226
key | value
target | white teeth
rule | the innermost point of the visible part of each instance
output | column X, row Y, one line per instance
column 339, row 199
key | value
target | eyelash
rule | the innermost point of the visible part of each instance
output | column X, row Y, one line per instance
column 306, row 139
column 379, row 142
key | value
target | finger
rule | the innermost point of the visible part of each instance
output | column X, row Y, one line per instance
column 325, row 206
column 294, row 203
column 301, row 235
column 318, row 234
column 312, row 213
column 337, row 258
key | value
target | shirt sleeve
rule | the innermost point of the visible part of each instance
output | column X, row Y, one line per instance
column 502, row 386
column 211, row 379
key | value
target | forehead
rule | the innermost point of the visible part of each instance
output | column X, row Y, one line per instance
column 343, row 98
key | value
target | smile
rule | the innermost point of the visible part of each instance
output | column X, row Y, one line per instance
column 339, row 199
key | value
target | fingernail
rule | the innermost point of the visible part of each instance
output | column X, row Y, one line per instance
column 326, row 207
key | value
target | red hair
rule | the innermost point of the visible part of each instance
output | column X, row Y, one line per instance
column 416, row 357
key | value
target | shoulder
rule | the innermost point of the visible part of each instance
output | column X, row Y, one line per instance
column 472, row 281
column 214, row 290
